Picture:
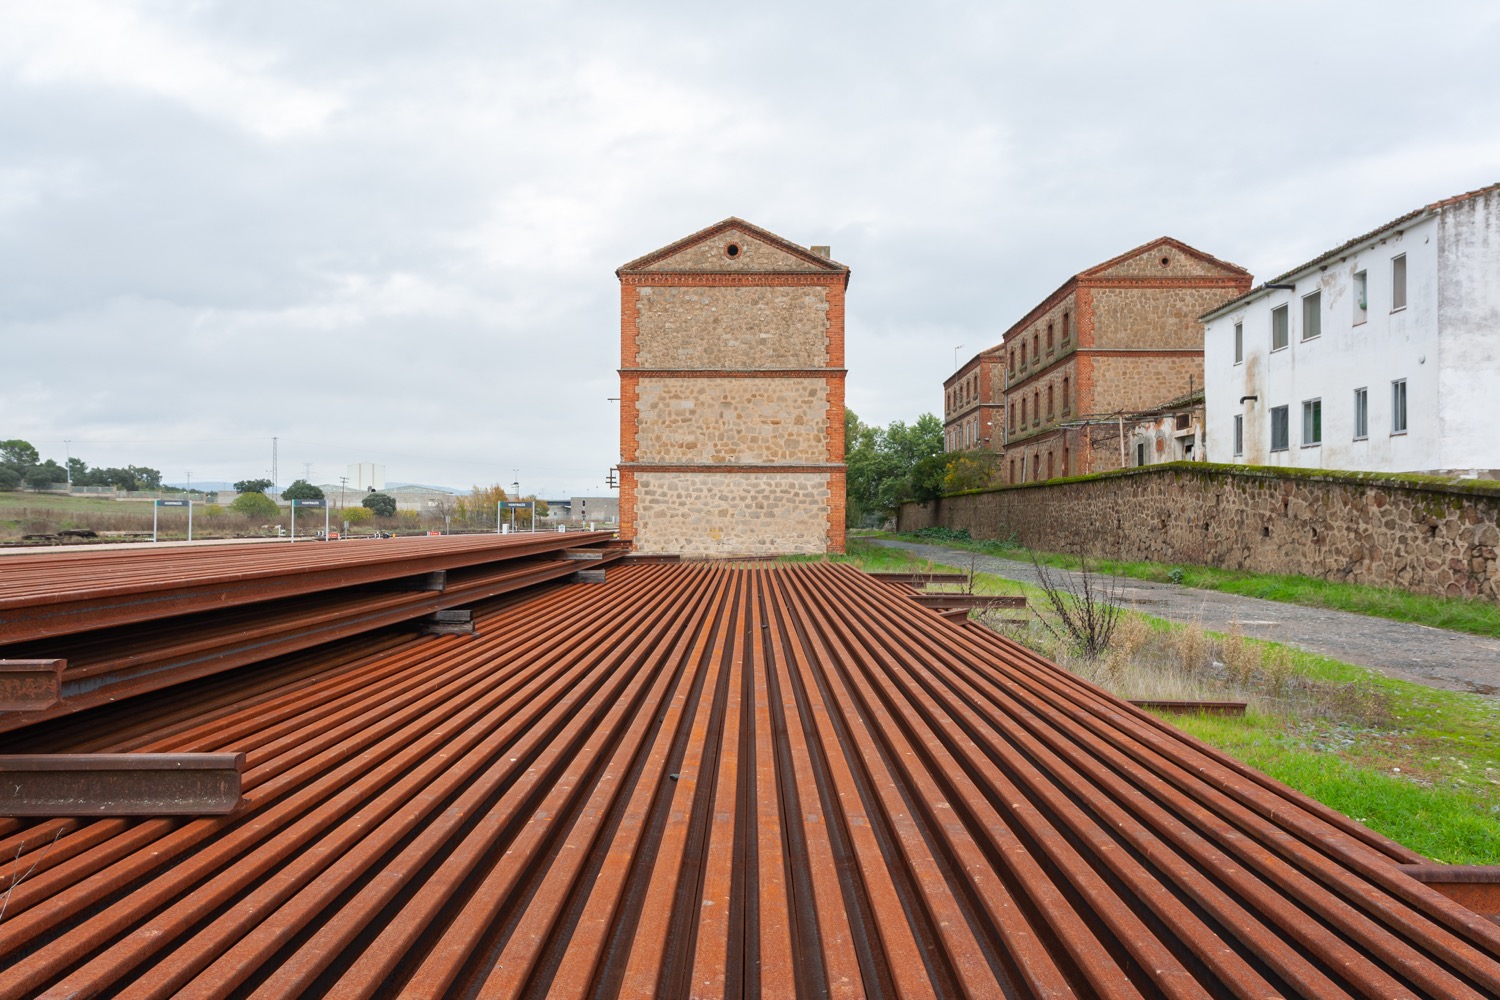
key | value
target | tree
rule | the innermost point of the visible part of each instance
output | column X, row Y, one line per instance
column 255, row 505
column 478, row 509
column 78, row 472
column 301, row 489
column 9, row 479
column 252, row 485
column 48, row 472
column 357, row 515
column 881, row 464
column 18, row 455
column 383, row 504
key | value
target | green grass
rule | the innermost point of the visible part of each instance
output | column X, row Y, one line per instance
column 1460, row 614
column 1428, row 776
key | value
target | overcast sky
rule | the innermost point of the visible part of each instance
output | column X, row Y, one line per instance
column 387, row 232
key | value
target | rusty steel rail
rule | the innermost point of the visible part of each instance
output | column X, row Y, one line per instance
column 59, row 593
column 709, row 780
column 112, row 664
column 120, row 784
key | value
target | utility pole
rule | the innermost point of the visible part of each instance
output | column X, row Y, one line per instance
column 68, row 461
column 955, row 356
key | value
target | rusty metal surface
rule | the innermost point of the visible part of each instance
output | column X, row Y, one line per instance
column 62, row 592
column 105, row 665
column 709, row 780
column 120, row 784
column 30, row 685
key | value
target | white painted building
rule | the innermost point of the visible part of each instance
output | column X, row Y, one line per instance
column 1381, row 355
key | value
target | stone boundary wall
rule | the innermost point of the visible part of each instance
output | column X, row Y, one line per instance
column 1423, row 534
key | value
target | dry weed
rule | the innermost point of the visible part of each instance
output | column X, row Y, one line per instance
column 1194, row 651
column 1277, row 667
column 1241, row 657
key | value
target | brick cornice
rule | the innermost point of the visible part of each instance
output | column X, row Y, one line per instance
column 1123, row 281
column 723, row 279
column 809, row 468
column 734, row 372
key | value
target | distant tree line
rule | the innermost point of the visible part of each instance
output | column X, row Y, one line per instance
column 22, row 465
column 888, row 465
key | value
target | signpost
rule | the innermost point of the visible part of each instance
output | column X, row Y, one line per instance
column 309, row 503
column 513, row 506
column 171, row 503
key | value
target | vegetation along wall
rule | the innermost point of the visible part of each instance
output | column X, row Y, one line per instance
column 1425, row 534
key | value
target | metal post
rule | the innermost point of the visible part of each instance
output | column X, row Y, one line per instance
column 325, row 520
column 155, row 513
column 294, row 522
column 498, row 503
column 190, row 519
column 533, row 516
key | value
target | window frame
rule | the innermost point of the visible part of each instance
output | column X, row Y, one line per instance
column 1285, row 309
column 1362, row 413
column 1313, row 407
column 1239, row 435
column 1361, row 297
column 1312, row 309
column 1398, row 287
column 1285, row 414
column 1398, row 407
column 1239, row 342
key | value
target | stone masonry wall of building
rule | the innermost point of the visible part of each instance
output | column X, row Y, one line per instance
column 1155, row 315
column 1140, row 380
column 1351, row 527
column 753, row 326
column 719, row 514
column 718, row 420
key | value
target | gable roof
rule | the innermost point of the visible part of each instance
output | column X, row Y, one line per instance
column 803, row 254
column 1101, row 270
column 1161, row 241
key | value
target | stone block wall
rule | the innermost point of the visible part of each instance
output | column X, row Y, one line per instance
column 711, row 513
column 1426, row 536
column 1170, row 312
column 1141, row 379
column 750, row 326
column 717, row 420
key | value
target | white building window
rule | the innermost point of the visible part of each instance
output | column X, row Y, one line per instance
column 1239, row 343
column 1398, row 406
column 1280, row 432
column 1361, row 413
column 1312, row 423
column 1278, row 328
column 1361, row 297
column 1312, row 315
column 1239, row 435
column 1398, row 283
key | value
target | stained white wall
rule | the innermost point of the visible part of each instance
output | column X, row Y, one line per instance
column 1468, row 238
column 1389, row 344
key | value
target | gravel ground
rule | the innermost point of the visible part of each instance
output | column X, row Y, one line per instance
column 1435, row 657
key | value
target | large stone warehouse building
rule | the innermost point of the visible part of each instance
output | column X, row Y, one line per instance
column 732, row 396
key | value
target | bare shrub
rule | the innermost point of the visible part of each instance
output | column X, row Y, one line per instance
column 1086, row 608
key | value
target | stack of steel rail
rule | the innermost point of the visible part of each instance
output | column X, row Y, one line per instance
column 705, row 780
column 126, row 621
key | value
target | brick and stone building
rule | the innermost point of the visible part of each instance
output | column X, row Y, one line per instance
column 1380, row 355
column 732, row 396
column 1118, row 339
column 974, row 403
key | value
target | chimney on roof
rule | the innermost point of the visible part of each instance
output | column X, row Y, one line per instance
column 825, row 252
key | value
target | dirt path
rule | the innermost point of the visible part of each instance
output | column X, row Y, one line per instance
column 1435, row 657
